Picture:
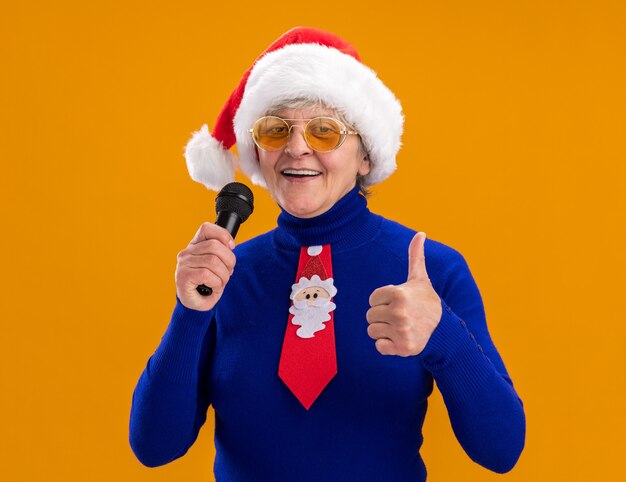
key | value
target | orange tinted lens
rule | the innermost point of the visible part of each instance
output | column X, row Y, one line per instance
column 270, row 133
column 323, row 134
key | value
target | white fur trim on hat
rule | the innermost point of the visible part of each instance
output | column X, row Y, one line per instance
column 322, row 73
column 207, row 160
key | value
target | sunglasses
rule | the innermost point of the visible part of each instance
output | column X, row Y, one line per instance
column 322, row 134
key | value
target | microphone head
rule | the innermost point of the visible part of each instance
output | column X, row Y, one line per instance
column 237, row 198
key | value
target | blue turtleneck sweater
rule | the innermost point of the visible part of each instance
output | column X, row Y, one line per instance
column 366, row 424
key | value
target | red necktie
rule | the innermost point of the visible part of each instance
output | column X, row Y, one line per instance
column 308, row 360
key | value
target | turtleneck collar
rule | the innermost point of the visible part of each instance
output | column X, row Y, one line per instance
column 348, row 223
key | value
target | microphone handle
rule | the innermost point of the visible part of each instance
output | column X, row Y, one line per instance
column 230, row 221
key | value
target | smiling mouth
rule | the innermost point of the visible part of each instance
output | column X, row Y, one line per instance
column 300, row 173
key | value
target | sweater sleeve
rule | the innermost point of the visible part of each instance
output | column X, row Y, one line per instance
column 170, row 401
column 485, row 412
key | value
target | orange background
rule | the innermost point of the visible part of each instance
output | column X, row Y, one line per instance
column 513, row 153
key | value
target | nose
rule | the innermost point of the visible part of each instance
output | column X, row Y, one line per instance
column 296, row 145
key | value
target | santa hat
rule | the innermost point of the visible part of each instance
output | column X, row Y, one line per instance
column 303, row 63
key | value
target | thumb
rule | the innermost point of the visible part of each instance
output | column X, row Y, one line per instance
column 417, row 260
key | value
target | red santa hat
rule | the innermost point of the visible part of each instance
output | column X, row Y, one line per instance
column 303, row 63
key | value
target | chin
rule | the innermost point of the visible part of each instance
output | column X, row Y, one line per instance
column 300, row 204
column 302, row 210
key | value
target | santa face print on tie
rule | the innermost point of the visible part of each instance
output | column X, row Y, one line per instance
column 311, row 304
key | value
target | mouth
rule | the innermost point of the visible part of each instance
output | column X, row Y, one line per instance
column 300, row 173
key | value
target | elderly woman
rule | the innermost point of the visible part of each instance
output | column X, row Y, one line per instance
column 318, row 350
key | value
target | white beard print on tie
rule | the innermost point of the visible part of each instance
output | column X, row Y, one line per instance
column 312, row 304
column 311, row 317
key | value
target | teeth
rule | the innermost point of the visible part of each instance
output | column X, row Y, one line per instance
column 301, row 172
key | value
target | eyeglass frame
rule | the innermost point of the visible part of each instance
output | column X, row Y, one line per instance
column 344, row 132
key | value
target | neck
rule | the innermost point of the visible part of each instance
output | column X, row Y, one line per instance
column 346, row 224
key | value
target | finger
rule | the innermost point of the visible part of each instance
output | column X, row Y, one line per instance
column 382, row 295
column 378, row 314
column 385, row 346
column 417, row 260
column 211, row 263
column 213, row 231
column 204, row 276
column 380, row 330
column 214, row 247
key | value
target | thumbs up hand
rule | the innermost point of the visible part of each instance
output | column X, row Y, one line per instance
column 402, row 318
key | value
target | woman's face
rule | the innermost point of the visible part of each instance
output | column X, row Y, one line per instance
column 334, row 172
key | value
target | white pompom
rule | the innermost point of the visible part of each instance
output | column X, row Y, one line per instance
column 207, row 160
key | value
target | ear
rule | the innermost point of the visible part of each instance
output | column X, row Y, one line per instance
column 365, row 166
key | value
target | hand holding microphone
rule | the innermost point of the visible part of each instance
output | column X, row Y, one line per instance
column 206, row 264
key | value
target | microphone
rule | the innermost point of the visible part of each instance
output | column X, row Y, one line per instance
column 233, row 205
